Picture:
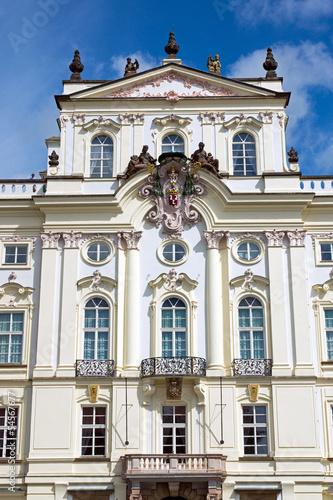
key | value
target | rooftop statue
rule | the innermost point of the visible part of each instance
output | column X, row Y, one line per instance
column 145, row 157
column 207, row 161
column 131, row 68
column 214, row 65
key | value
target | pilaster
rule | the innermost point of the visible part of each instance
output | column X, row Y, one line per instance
column 214, row 302
column 300, row 304
column 47, row 311
column 267, row 132
column 62, row 155
column 132, row 304
column 277, row 273
column 68, row 329
column 126, row 149
column 78, row 148
column 138, row 136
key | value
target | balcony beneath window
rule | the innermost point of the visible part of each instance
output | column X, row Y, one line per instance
column 252, row 367
column 177, row 467
column 94, row 367
column 188, row 366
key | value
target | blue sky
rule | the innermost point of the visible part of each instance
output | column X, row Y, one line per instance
column 38, row 39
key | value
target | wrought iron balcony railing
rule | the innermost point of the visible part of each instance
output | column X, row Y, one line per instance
column 154, row 367
column 252, row 367
column 94, row 367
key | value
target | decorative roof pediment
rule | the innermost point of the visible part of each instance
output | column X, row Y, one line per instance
column 172, row 82
column 101, row 122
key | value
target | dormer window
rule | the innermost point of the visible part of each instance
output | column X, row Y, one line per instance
column 101, row 157
column 173, row 143
column 244, row 155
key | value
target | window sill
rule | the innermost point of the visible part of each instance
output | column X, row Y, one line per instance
column 12, row 365
column 91, row 459
column 256, row 459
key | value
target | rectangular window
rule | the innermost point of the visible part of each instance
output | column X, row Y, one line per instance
column 326, row 252
column 11, row 330
column 329, row 332
column 93, row 430
column 174, row 429
column 16, row 254
column 8, row 432
column 255, row 430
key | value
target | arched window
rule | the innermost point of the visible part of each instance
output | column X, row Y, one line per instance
column 251, row 329
column 244, row 155
column 101, row 157
column 173, row 143
column 96, row 329
column 173, row 328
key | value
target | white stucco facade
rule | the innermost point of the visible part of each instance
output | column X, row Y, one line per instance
column 255, row 328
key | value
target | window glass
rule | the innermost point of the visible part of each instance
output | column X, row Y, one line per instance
column 93, row 430
column 248, row 251
column 173, row 326
column 326, row 251
column 173, row 252
column 101, row 157
column 8, row 431
column 173, row 143
column 329, row 332
column 96, row 329
column 255, row 430
column 251, row 329
column 98, row 251
column 16, row 254
column 174, row 429
column 11, row 328
column 244, row 155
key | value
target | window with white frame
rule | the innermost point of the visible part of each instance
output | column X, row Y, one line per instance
column 98, row 252
column 93, row 430
column 8, row 432
column 329, row 332
column 173, row 143
column 174, row 429
column 255, row 430
column 96, row 329
column 11, row 333
column 173, row 328
column 326, row 252
column 101, row 157
column 244, row 155
column 251, row 328
column 248, row 251
column 16, row 254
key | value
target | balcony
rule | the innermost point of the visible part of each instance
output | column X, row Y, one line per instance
column 175, row 467
column 252, row 367
column 94, row 367
column 159, row 367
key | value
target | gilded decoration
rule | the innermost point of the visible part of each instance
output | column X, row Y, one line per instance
column 174, row 388
column 172, row 185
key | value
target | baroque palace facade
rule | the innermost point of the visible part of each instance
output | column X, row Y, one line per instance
column 166, row 326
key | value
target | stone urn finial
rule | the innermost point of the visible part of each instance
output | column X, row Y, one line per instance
column 293, row 156
column 53, row 159
column 270, row 65
column 76, row 67
column 171, row 48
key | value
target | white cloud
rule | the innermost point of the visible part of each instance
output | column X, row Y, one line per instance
column 304, row 67
column 145, row 60
column 282, row 11
column 307, row 69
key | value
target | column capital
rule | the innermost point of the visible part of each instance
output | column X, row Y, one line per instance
column 50, row 240
column 71, row 239
column 132, row 239
column 274, row 238
column 296, row 238
column 213, row 238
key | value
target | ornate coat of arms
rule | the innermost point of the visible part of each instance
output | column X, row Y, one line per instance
column 173, row 184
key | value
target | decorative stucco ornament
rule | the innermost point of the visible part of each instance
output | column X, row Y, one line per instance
column 172, row 185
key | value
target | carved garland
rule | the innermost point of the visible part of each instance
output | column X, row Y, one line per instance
column 172, row 95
